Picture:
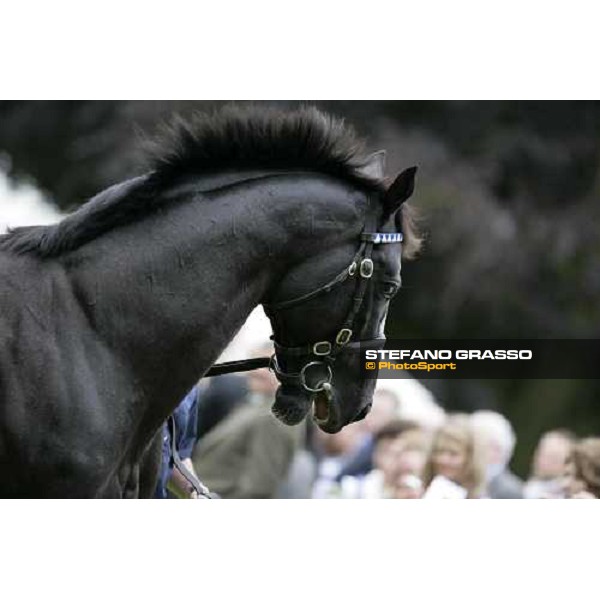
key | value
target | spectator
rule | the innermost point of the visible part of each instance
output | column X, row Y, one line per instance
column 415, row 401
column 399, row 452
column 302, row 473
column 548, row 464
column 457, row 455
column 582, row 470
column 171, row 483
column 219, row 396
column 498, row 440
column 248, row 454
column 332, row 452
column 384, row 410
column 408, row 487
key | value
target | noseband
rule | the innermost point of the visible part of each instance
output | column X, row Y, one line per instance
column 316, row 373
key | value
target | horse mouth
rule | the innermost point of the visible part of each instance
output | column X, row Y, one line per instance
column 325, row 410
column 322, row 405
column 292, row 409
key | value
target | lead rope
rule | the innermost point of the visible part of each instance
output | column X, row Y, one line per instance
column 238, row 366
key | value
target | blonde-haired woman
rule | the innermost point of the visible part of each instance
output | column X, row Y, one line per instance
column 456, row 454
column 582, row 470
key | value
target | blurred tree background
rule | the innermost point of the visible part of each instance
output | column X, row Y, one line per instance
column 508, row 194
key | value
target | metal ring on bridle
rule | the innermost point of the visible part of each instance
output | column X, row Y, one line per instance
column 321, row 383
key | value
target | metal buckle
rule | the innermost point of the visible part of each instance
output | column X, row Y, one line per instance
column 322, row 348
column 273, row 364
column 343, row 336
column 352, row 269
column 320, row 383
column 366, row 268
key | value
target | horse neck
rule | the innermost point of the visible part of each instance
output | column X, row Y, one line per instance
column 168, row 293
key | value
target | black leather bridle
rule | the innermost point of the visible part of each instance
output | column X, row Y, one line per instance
column 316, row 373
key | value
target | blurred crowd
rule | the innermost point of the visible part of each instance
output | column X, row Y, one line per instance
column 231, row 441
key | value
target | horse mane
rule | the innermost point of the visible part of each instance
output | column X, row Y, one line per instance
column 117, row 205
column 234, row 137
column 255, row 136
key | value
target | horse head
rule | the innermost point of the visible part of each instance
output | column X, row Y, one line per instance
column 318, row 334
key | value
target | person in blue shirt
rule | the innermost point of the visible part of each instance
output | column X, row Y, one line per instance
column 186, row 419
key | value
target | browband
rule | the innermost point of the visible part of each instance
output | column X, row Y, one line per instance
column 382, row 238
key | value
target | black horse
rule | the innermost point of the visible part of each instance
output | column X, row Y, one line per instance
column 108, row 318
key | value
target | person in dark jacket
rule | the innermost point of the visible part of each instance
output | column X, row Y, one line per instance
column 249, row 453
column 220, row 395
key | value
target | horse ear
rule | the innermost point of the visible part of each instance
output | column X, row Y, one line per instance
column 374, row 166
column 400, row 191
